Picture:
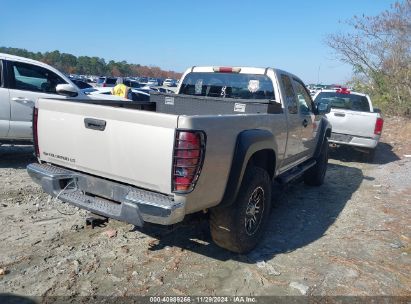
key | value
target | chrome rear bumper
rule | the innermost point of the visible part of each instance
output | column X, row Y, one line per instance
column 107, row 198
column 352, row 140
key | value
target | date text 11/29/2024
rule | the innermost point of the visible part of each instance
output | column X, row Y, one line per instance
column 203, row 299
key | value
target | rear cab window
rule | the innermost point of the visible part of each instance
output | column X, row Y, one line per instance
column 304, row 100
column 289, row 94
column 344, row 101
column 228, row 85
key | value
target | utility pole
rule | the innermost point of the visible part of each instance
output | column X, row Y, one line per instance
column 318, row 74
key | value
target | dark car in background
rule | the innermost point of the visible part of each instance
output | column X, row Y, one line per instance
column 81, row 84
column 133, row 84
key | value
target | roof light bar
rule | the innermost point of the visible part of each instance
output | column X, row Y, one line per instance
column 343, row 91
column 226, row 70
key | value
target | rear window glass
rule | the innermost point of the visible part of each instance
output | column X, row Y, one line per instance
column 228, row 85
column 343, row 101
column 111, row 80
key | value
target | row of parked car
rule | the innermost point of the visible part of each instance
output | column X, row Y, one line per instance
column 107, row 81
column 139, row 91
column 137, row 82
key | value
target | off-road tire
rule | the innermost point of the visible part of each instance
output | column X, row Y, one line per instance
column 315, row 175
column 228, row 224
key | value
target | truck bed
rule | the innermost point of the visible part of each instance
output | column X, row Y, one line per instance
column 133, row 147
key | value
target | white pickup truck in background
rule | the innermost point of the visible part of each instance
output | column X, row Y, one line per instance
column 355, row 122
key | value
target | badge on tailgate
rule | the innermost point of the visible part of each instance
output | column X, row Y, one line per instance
column 60, row 157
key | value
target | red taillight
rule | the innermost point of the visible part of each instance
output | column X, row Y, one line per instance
column 378, row 126
column 343, row 91
column 104, row 84
column 35, row 132
column 188, row 156
column 226, row 70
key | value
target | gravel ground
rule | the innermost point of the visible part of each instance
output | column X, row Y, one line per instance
column 350, row 236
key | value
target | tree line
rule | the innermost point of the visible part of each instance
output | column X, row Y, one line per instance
column 379, row 50
column 85, row 65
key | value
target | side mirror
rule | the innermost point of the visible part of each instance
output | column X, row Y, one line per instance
column 66, row 90
column 377, row 110
column 323, row 108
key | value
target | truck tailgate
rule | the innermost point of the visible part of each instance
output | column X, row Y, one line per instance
column 130, row 146
column 352, row 122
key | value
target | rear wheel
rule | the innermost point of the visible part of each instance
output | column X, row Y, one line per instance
column 316, row 174
column 239, row 227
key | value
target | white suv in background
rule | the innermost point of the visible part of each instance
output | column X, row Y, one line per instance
column 22, row 82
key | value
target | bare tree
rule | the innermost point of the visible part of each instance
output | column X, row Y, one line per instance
column 379, row 50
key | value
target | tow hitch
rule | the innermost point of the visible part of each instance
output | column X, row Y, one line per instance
column 95, row 220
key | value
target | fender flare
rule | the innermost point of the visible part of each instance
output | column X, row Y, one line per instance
column 248, row 142
column 325, row 131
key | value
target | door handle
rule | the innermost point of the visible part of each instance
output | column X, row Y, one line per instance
column 305, row 123
column 339, row 114
column 95, row 124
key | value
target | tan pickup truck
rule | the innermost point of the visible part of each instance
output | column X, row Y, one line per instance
column 216, row 145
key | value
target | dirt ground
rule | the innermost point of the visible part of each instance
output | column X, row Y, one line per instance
column 351, row 236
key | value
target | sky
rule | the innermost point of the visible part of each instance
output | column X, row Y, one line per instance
column 175, row 35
